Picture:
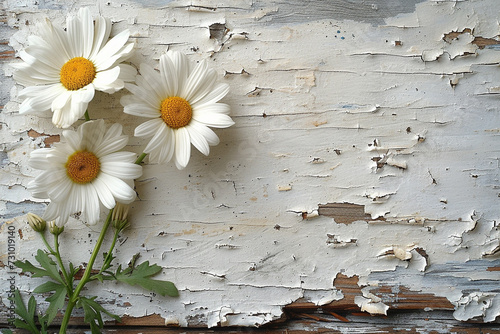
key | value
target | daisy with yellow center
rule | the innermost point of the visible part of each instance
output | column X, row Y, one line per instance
column 181, row 104
column 85, row 171
column 63, row 68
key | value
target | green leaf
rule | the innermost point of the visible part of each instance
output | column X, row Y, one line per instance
column 92, row 313
column 26, row 266
column 47, row 286
column 56, row 303
column 141, row 275
column 49, row 265
column 6, row 331
column 27, row 315
column 56, row 300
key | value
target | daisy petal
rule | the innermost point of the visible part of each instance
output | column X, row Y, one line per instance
column 180, row 62
column 168, row 76
column 149, row 128
column 102, row 30
column 110, row 49
column 198, row 141
column 120, row 190
column 104, row 79
column 87, row 31
column 214, row 96
column 141, row 110
column 158, row 139
column 105, row 195
column 168, row 148
column 122, row 170
column 205, row 131
column 214, row 120
column 182, row 147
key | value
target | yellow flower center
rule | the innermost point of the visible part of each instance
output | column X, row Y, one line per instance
column 176, row 112
column 77, row 73
column 82, row 167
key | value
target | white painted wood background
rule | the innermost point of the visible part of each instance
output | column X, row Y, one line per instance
column 391, row 105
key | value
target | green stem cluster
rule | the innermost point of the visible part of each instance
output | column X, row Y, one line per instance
column 74, row 295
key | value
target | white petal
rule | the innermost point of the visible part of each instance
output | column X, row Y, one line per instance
column 60, row 189
column 42, row 98
column 75, row 34
column 109, row 146
column 144, row 95
column 182, row 147
column 104, row 79
column 219, row 108
column 181, row 65
column 217, row 93
column 168, row 76
column 112, row 47
column 127, row 73
column 52, row 59
column 151, row 80
column 205, row 131
column 167, row 150
column 214, row 120
column 195, row 77
column 141, row 110
column 61, row 100
column 198, row 140
column 87, row 31
column 63, row 117
column 149, row 128
column 102, row 30
column 120, row 190
column 120, row 156
column 92, row 134
column 105, row 195
column 52, row 212
column 158, row 140
column 122, row 170
column 91, row 200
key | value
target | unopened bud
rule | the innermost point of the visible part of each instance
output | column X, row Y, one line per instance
column 119, row 216
column 36, row 222
column 54, row 229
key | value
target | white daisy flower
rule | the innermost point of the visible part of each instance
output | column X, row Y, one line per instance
column 62, row 69
column 83, row 171
column 181, row 105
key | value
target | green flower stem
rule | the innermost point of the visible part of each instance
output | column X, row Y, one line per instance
column 87, row 117
column 141, row 157
column 86, row 275
column 109, row 255
column 59, row 260
column 46, row 243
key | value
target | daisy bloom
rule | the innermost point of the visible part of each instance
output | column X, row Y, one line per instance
column 182, row 104
column 63, row 68
column 83, row 171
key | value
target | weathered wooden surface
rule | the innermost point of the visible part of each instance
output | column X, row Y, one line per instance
column 362, row 172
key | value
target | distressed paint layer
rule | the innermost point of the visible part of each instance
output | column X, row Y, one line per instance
column 393, row 110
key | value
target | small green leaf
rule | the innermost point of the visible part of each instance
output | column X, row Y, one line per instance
column 47, row 286
column 92, row 313
column 56, row 302
column 26, row 266
column 141, row 275
column 49, row 265
column 27, row 315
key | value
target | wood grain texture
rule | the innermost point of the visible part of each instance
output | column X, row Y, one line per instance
column 361, row 176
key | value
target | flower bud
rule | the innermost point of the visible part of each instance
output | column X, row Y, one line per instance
column 54, row 229
column 119, row 216
column 36, row 222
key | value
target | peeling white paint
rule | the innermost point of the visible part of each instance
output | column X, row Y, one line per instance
column 396, row 114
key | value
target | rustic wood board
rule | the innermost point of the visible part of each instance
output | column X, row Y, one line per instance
column 362, row 172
